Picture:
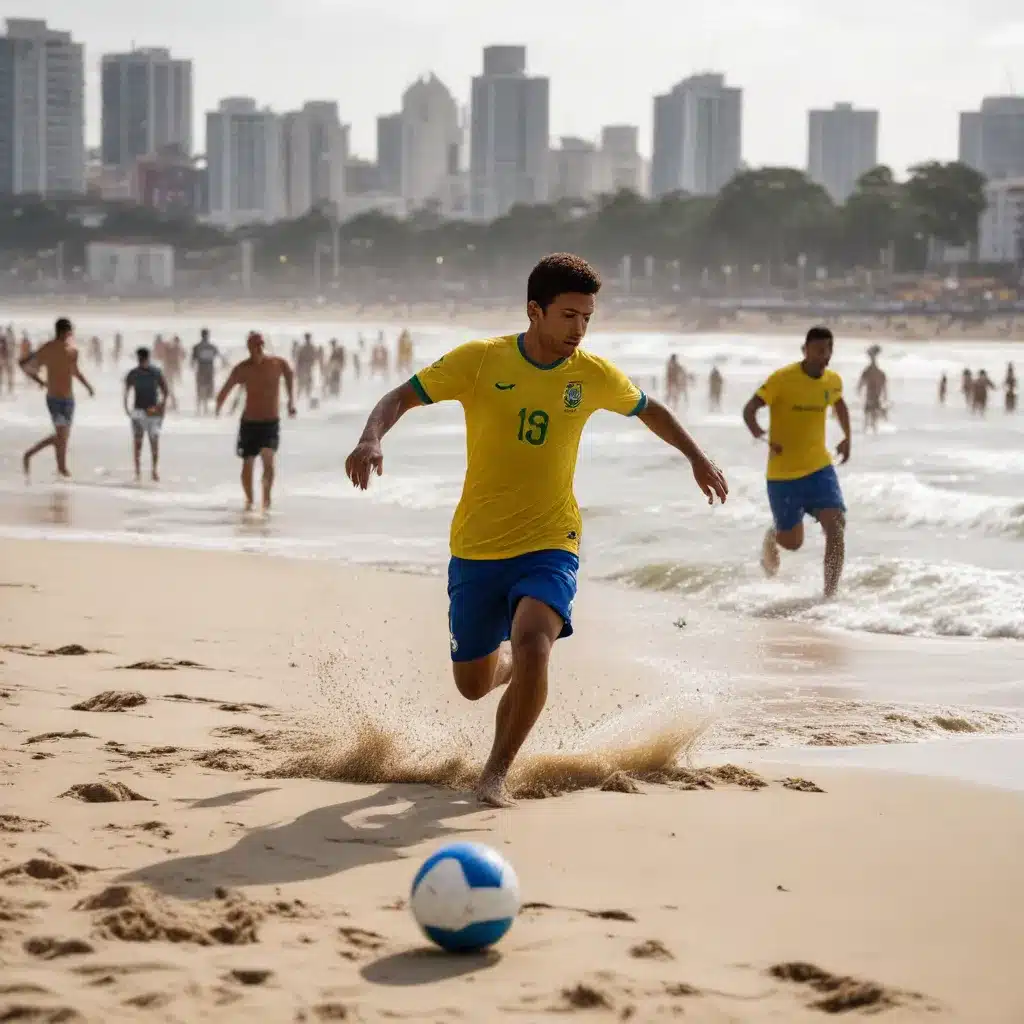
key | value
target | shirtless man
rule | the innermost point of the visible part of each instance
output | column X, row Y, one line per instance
column 943, row 388
column 6, row 361
column 335, row 369
column 967, row 387
column 983, row 384
column 305, row 359
column 874, row 385
column 259, row 432
column 204, row 357
column 1010, row 387
column 59, row 358
column 379, row 357
column 403, row 361
column 676, row 382
column 715, row 385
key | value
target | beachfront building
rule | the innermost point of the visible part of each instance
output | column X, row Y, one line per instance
column 509, row 116
column 575, row 170
column 129, row 267
column 1001, row 226
column 315, row 155
column 842, row 144
column 146, row 105
column 430, row 143
column 992, row 139
column 698, row 129
column 245, row 164
column 42, row 111
column 389, row 153
column 622, row 166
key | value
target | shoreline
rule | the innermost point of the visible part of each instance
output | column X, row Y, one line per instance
column 286, row 895
column 639, row 319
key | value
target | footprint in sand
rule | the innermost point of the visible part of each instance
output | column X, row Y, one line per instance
column 102, row 793
column 111, row 701
column 46, row 948
column 46, row 737
column 47, row 871
column 162, row 665
column 651, row 949
column 14, row 823
column 841, row 994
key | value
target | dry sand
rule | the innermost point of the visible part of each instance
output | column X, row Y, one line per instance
column 159, row 861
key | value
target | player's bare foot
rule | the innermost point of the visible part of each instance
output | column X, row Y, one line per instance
column 26, row 461
column 65, row 473
column 156, row 477
column 248, row 507
column 492, row 790
column 770, row 554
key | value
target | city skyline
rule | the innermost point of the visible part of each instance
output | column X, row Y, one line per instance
column 927, row 66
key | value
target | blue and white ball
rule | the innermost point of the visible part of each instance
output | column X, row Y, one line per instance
column 465, row 897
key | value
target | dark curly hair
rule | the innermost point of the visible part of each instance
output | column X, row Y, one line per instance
column 559, row 273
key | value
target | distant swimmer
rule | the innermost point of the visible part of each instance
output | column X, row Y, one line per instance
column 980, row 389
column 677, row 382
column 801, row 478
column 305, row 356
column 174, row 359
column 59, row 357
column 147, row 388
column 515, row 535
column 259, row 432
column 874, row 385
column 943, row 388
column 1010, row 388
column 716, row 384
column 118, row 348
column 379, row 357
column 967, row 387
column 335, row 369
column 204, row 359
column 403, row 360
column 96, row 351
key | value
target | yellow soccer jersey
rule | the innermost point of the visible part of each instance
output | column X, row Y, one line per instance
column 798, row 403
column 523, row 427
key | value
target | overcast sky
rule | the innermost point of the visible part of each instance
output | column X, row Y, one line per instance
column 919, row 62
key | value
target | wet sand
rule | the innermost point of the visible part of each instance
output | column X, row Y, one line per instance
column 739, row 894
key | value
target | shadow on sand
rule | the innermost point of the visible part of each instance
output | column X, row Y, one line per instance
column 317, row 844
column 424, row 966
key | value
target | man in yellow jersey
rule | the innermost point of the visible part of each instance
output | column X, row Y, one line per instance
column 801, row 477
column 515, row 536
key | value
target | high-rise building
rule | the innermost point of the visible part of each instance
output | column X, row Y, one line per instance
column 575, row 170
column 1001, row 226
column 245, row 162
column 42, row 111
column 316, row 151
column 698, row 128
column 508, row 134
column 430, row 142
column 146, row 105
column 992, row 139
column 622, row 166
column 842, row 143
column 389, row 153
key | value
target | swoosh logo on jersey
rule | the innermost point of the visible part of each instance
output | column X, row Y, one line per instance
column 504, row 387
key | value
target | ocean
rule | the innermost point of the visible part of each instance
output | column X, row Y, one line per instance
column 935, row 542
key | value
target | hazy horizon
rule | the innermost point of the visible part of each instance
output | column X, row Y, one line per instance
column 918, row 63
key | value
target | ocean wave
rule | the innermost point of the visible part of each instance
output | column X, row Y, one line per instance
column 901, row 597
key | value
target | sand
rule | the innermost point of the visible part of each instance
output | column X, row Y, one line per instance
column 168, row 853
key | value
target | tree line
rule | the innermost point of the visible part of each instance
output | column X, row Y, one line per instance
column 763, row 227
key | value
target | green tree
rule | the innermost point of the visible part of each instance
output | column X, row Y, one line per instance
column 949, row 199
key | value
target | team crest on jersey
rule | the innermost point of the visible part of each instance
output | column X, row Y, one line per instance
column 573, row 396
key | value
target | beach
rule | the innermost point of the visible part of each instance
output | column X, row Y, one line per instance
column 717, row 896
column 229, row 740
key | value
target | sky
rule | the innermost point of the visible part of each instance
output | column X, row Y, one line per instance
column 920, row 62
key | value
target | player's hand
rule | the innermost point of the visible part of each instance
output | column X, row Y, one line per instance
column 843, row 451
column 365, row 458
column 710, row 478
column 291, row 411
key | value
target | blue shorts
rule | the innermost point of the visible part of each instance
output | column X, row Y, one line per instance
column 483, row 595
column 62, row 410
column 808, row 495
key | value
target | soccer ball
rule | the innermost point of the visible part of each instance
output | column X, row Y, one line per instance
column 465, row 897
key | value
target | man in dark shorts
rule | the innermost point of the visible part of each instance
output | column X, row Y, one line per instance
column 204, row 357
column 147, row 411
column 259, row 432
column 59, row 357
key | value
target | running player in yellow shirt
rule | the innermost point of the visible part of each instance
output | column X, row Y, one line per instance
column 515, row 536
column 801, row 477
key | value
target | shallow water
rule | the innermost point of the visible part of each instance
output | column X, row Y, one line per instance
column 936, row 512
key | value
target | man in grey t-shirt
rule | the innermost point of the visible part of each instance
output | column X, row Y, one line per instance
column 151, row 395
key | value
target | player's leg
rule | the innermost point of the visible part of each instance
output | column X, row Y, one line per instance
column 787, row 529
column 267, row 457
column 248, row 462
column 478, row 623
column 825, row 502
column 63, row 435
column 138, row 431
column 154, row 448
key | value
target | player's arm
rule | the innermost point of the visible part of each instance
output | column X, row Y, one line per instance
column 33, row 362
column 234, row 379
column 79, row 376
column 764, row 395
column 289, row 385
column 843, row 415
column 661, row 422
